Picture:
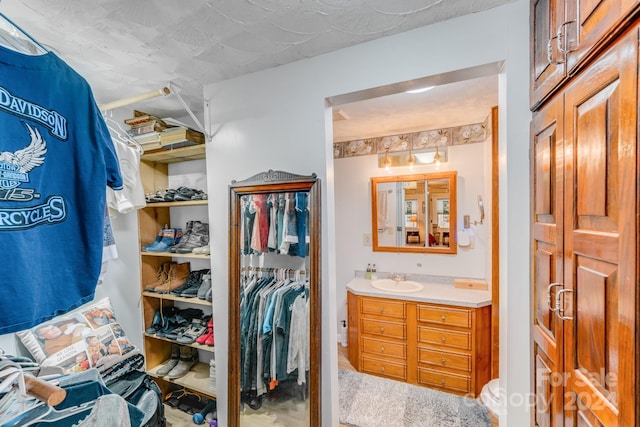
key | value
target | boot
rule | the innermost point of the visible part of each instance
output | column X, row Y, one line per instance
column 177, row 276
column 199, row 237
column 188, row 359
column 171, row 363
column 161, row 276
column 205, row 286
column 183, row 236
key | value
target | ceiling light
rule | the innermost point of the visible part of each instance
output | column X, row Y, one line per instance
column 420, row 90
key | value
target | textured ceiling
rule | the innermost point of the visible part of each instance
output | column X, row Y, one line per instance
column 127, row 47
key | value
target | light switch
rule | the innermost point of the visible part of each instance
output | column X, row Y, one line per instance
column 366, row 239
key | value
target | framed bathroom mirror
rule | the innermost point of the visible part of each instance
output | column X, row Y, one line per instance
column 414, row 213
column 274, row 300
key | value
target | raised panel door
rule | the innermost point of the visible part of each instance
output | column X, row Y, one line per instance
column 598, row 305
column 587, row 22
column 547, row 267
column 547, row 62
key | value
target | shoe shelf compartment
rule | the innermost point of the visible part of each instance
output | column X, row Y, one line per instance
column 203, row 347
column 178, row 204
column 174, row 255
column 154, row 171
column 197, row 379
column 171, row 297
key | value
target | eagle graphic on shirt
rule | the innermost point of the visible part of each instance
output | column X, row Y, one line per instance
column 15, row 167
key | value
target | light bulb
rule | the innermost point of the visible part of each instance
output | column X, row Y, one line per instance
column 436, row 158
column 411, row 161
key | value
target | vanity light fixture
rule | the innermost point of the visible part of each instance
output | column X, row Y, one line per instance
column 436, row 158
column 387, row 161
column 411, row 160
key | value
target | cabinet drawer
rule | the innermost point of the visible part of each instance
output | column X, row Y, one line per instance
column 384, row 328
column 444, row 338
column 444, row 359
column 384, row 348
column 395, row 309
column 384, row 368
column 446, row 380
column 444, row 316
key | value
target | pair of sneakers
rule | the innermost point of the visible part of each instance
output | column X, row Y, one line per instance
column 166, row 238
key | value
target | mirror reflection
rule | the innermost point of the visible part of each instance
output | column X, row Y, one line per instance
column 414, row 213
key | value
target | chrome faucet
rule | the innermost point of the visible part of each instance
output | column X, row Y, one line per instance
column 398, row 277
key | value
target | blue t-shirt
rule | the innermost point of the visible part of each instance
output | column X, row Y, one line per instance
column 56, row 159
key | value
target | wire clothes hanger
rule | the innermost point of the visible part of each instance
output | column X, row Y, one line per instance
column 12, row 36
column 122, row 135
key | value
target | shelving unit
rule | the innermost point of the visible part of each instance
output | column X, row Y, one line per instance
column 154, row 171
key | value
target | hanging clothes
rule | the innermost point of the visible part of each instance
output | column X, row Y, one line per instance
column 274, row 339
column 56, row 157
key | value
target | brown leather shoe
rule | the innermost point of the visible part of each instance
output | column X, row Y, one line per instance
column 177, row 276
column 162, row 275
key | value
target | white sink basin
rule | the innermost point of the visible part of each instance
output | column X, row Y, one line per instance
column 397, row 286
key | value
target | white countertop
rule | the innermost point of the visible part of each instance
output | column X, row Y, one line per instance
column 436, row 293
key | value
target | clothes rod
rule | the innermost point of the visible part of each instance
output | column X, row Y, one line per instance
column 133, row 99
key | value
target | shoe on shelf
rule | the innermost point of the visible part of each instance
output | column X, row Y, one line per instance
column 202, row 250
column 205, row 286
column 168, row 365
column 198, row 237
column 170, row 237
column 188, row 359
column 199, row 195
column 161, row 276
column 194, row 281
column 177, row 276
column 184, row 193
column 193, row 332
column 185, row 236
column 155, row 242
column 202, row 339
column 209, row 296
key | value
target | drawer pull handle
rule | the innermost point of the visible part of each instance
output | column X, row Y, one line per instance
column 442, row 381
column 382, row 369
column 381, row 348
column 444, row 338
column 381, row 329
column 381, row 309
column 443, row 317
column 443, row 360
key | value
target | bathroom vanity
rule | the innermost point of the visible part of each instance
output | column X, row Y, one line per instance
column 438, row 336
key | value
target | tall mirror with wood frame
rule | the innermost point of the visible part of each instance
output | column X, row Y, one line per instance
column 414, row 213
column 274, row 300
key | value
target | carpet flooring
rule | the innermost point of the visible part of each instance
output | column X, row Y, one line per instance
column 369, row 401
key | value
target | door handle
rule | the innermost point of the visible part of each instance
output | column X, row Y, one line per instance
column 549, row 300
column 560, row 307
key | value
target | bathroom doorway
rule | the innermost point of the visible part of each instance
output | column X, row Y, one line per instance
column 455, row 100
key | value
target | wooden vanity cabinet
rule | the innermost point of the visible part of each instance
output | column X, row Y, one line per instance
column 432, row 345
column 453, row 347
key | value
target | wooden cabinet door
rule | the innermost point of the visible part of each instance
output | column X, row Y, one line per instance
column 600, row 232
column 587, row 22
column 547, row 265
column 547, row 62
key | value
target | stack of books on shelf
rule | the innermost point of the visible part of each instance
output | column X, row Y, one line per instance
column 154, row 133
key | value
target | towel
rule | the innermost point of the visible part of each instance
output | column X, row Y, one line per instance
column 382, row 210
